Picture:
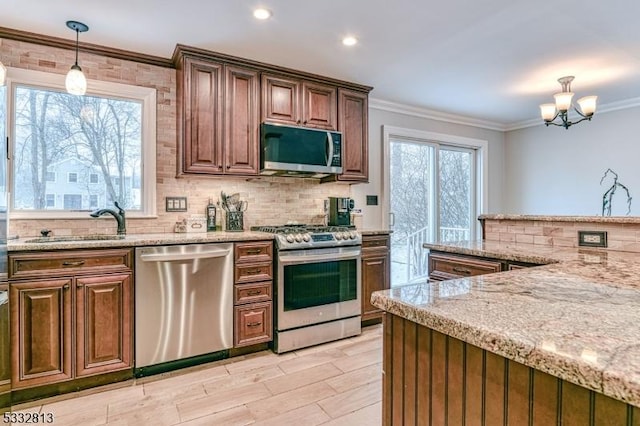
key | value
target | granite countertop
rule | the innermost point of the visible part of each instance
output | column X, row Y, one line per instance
column 366, row 232
column 562, row 218
column 576, row 319
column 136, row 240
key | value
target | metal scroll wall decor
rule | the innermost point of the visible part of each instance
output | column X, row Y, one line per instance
column 607, row 198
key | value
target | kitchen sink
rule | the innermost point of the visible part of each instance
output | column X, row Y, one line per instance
column 75, row 238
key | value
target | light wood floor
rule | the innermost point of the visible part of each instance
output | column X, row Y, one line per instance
column 338, row 383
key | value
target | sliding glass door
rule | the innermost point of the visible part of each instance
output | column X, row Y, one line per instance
column 432, row 197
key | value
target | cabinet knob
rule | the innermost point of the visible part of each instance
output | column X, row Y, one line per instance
column 228, row 166
column 304, row 122
column 65, row 287
column 79, row 286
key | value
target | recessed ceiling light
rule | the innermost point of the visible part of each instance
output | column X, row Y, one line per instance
column 262, row 13
column 349, row 41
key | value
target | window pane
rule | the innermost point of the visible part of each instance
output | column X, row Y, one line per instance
column 455, row 195
column 95, row 141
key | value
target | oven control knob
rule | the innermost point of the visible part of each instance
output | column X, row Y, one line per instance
column 290, row 238
column 352, row 235
column 306, row 238
column 298, row 238
column 345, row 235
column 338, row 236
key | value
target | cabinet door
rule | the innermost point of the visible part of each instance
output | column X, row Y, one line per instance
column 202, row 99
column 375, row 276
column 5, row 345
column 242, row 143
column 103, row 324
column 40, row 332
column 353, row 123
column 320, row 108
column 280, row 100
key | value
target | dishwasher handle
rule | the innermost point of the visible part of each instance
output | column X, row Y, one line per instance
column 168, row 257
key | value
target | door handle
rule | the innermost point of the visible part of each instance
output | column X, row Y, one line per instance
column 392, row 219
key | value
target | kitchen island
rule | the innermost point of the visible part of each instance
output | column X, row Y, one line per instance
column 552, row 344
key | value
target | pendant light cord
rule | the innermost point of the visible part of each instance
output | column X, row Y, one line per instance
column 77, row 42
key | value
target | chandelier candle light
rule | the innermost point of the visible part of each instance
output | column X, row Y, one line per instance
column 76, row 83
column 560, row 109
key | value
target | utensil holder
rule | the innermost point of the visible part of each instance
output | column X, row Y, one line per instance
column 234, row 221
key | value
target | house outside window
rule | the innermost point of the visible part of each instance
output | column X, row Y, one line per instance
column 96, row 140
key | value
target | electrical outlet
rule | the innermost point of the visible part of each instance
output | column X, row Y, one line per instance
column 592, row 238
column 176, row 204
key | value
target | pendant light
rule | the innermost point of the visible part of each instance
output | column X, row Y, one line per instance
column 3, row 74
column 76, row 83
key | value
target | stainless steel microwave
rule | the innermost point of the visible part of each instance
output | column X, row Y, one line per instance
column 299, row 151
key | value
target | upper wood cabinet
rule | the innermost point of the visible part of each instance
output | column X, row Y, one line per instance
column 219, row 117
column 295, row 102
column 223, row 99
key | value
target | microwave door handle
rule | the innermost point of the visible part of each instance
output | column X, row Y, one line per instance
column 329, row 149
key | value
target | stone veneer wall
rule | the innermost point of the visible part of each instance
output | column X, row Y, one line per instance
column 270, row 200
column 622, row 233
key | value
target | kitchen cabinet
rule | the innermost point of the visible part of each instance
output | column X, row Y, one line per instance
column 295, row 102
column 376, row 272
column 253, row 304
column 222, row 99
column 218, row 116
column 353, row 112
column 70, row 314
column 447, row 266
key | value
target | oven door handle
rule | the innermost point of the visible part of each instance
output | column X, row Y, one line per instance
column 292, row 260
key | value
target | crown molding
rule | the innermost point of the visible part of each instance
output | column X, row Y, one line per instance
column 414, row 111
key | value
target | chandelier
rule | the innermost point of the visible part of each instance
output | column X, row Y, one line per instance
column 563, row 103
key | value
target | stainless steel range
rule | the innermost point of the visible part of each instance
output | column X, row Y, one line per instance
column 317, row 284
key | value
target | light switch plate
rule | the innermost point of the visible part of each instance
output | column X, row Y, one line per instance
column 592, row 238
column 176, row 204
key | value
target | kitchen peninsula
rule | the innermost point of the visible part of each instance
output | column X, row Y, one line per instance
column 552, row 344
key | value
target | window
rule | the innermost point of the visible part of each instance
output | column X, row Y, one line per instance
column 50, row 201
column 96, row 140
column 72, row 201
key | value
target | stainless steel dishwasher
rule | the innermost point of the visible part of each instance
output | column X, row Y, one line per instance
column 184, row 304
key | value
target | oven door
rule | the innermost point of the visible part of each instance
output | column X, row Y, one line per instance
column 318, row 285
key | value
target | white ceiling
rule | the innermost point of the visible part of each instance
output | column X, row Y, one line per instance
column 494, row 60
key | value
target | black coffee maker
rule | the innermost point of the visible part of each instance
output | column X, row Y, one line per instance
column 340, row 211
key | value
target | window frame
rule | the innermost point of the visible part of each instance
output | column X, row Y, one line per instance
column 49, row 81
column 91, row 175
column 69, row 174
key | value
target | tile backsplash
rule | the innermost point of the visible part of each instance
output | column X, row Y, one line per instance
column 270, row 199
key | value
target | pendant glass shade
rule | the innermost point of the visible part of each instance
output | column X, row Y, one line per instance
column 76, row 83
column 3, row 74
column 588, row 105
column 563, row 100
column 548, row 111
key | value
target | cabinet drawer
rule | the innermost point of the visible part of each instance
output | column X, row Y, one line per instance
column 444, row 267
column 65, row 262
column 252, row 292
column 259, row 251
column 375, row 241
column 253, row 324
column 252, row 272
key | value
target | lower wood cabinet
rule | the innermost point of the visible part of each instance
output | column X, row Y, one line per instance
column 253, row 290
column 70, row 326
column 448, row 266
column 376, row 272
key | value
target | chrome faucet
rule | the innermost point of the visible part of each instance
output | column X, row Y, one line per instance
column 119, row 216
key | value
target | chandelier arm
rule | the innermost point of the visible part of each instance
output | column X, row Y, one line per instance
column 579, row 113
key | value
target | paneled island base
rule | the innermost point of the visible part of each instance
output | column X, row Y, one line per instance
column 430, row 378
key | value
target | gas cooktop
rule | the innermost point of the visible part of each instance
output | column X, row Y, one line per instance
column 290, row 237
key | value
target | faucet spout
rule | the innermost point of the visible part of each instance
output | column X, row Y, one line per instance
column 118, row 215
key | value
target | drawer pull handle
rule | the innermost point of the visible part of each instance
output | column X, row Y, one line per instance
column 461, row 271
column 79, row 286
column 254, row 324
column 253, row 271
column 254, row 292
column 254, row 251
column 73, row 263
column 65, row 287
